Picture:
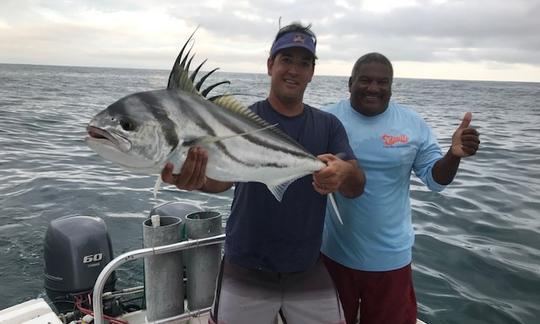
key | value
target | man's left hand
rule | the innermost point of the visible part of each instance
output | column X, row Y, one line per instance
column 330, row 178
column 466, row 140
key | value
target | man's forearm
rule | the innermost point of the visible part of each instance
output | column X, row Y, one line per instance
column 353, row 185
column 446, row 168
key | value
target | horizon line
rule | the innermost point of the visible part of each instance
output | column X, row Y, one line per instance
column 221, row 71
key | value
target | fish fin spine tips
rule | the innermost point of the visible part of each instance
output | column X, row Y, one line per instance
column 179, row 77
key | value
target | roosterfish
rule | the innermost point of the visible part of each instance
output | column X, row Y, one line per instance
column 146, row 130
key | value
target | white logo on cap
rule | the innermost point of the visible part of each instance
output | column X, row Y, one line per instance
column 298, row 38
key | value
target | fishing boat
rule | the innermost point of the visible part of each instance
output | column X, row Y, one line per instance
column 80, row 273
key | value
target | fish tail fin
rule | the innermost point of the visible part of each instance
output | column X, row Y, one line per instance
column 335, row 207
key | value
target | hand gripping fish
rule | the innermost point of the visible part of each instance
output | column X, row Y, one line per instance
column 143, row 131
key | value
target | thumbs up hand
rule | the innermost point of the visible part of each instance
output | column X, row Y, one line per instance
column 466, row 140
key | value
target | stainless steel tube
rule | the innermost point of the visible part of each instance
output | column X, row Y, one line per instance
column 163, row 274
column 137, row 254
column 202, row 264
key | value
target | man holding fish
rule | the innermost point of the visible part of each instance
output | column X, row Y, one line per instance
column 272, row 261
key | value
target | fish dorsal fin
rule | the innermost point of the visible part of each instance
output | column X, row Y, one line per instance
column 230, row 103
column 179, row 78
column 210, row 87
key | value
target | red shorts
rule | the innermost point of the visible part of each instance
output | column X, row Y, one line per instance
column 386, row 296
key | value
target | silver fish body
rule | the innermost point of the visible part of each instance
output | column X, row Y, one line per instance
column 144, row 131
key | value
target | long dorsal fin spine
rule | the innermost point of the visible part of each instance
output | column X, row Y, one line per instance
column 173, row 76
column 203, row 78
column 189, row 63
column 213, row 98
column 194, row 73
column 205, row 92
column 184, row 60
column 179, row 77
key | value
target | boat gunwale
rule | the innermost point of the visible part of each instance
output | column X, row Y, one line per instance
column 141, row 253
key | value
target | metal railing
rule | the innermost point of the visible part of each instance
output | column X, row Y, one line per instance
column 141, row 253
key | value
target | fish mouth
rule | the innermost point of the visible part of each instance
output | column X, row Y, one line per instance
column 98, row 133
column 104, row 137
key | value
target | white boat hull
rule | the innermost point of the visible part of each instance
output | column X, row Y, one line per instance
column 35, row 311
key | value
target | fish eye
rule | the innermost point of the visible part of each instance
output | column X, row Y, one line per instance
column 127, row 125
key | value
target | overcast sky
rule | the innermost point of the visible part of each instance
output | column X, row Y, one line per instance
column 454, row 39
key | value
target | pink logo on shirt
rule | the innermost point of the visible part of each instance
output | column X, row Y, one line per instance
column 390, row 140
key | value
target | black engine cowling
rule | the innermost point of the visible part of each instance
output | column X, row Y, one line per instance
column 76, row 249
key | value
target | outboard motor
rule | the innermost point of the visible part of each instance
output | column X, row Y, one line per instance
column 76, row 249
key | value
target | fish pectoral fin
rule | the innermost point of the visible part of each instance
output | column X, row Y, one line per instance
column 201, row 141
column 157, row 186
column 213, row 139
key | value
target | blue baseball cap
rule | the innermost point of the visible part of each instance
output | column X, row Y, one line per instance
column 293, row 39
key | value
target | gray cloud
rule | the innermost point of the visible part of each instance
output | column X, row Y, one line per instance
column 474, row 31
column 453, row 31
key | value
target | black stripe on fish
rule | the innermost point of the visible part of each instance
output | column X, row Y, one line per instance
column 192, row 114
column 230, row 104
column 261, row 142
column 168, row 127
column 199, row 121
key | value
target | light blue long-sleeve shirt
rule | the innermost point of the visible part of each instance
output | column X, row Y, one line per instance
column 377, row 234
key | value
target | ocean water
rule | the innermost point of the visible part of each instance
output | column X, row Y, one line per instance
column 477, row 250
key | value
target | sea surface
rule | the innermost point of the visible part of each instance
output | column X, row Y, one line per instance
column 477, row 250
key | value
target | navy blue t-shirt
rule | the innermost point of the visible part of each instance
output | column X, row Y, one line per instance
column 265, row 234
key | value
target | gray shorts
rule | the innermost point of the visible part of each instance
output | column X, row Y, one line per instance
column 253, row 296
